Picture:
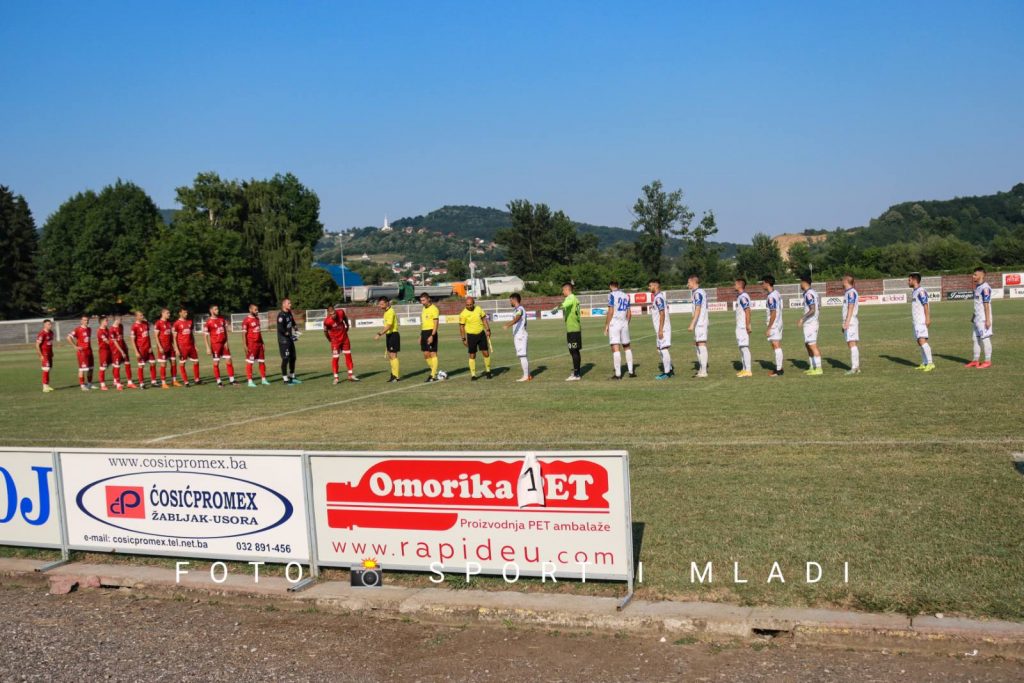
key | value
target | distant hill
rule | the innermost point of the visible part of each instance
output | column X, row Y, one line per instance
column 468, row 222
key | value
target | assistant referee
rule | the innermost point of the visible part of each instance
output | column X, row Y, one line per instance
column 476, row 336
column 392, row 339
column 429, row 319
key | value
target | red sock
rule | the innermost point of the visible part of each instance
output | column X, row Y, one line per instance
column 81, row 378
column 163, row 372
column 174, row 368
column 184, row 373
column 216, row 371
column 141, row 376
column 103, row 375
column 117, row 374
column 348, row 362
column 263, row 370
column 334, row 365
column 152, row 373
column 248, row 371
column 195, row 371
column 46, row 376
column 231, row 370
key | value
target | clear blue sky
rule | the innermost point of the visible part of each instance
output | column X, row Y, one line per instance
column 778, row 116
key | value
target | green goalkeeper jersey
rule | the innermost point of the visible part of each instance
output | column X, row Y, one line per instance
column 571, row 312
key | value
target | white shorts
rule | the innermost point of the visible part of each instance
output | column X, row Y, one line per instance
column 618, row 333
column 775, row 334
column 665, row 341
column 981, row 333
column 852, row 331
column 810, row 332
column 742, row 337
column 519, row 340
column 920, row 331
column 700, row 333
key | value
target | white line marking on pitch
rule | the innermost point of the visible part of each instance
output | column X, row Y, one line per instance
column 320, row 406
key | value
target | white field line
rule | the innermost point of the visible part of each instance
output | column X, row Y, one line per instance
column 320, row 406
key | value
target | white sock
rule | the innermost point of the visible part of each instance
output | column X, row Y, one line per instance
column 745, row 357
column 629, row 360
column 617, row 363
column 666, row 361
column 988, row 348
column 926, row 353
column 526, row 365
column 778, row 360
column 810, row 362
column 977, row 347
column 855, row 358
column 702, row 356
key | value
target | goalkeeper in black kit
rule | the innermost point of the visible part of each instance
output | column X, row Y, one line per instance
column 287, row 333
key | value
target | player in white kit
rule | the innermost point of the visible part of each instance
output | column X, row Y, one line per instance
column 921, row 315
column 519, row 335
column 662, row 327
column 773, row 328
column 742, row 307
column 809, row 322
column 851, row 322
column 616, row 328
column 981, row 321
column 699, row 324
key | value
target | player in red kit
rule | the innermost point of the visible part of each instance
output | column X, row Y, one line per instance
column 164, row 329
column 216, row 339
column 186, row 346
column 120, row 354
column 104, row 343
column 44, row 345
column 81, row 339
column 254, row 352
column 143, row 348
column 336, row 326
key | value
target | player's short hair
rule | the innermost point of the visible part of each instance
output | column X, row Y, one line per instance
column 567, row 284
column 806, row 277
column 47, row 321
column 330, row 307
column 916, row 277
column 424, row 295
column 981, row 270
column 654, row 281
column 383, row 300
column 182, row 309
column 101, row 317
column 515, row 295
column 693, row 276
column 769, row 279
column 743, row 280
column 850, row 277
column 613, row 283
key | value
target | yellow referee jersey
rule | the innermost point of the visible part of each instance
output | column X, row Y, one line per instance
column 429, row 316
column 473, row 320
column 390, row 321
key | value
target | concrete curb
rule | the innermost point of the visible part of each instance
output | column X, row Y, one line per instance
column 674, row 620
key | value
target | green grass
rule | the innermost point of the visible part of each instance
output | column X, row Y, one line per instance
column 907, row 476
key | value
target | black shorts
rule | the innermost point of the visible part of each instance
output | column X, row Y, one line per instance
column 477, row 342
column 286, row 347
column 424, row 346
column 393, row 342
column 574, row 340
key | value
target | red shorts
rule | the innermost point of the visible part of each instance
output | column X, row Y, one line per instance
column 144, row 355
column 165, row 354
column 254, row 351
column 188, row 353
column 220, row 350
column 106, row 356
column 46, row 362
column 342, row 344
column 85, row 359
column 118, row 357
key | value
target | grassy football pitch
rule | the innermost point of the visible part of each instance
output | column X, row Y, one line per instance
column 907, row 476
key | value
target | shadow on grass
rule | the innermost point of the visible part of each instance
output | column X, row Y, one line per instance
column 585, row 369
column 800, row 364
column 899, row 361
column 540, row 369
column 310, row 376
column 837, row 364
column 955, row 359
column 766, row 364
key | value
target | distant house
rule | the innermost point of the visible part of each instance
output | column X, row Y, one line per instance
column 408, row 231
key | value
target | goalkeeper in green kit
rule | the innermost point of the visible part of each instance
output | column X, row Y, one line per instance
column 570, row 308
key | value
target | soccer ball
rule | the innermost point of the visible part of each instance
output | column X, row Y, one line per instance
column 442, row 375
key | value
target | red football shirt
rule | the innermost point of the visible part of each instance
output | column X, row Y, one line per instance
column 103, row 338
column 164, row 329
column 83, row 336
column 117, row 335
column 45, row 340
column 335, row 326
column 217, row 328
column 183, row 331
column 140, row 336
column 251, row 327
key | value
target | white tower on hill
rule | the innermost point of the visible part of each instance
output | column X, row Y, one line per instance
column 387, row 226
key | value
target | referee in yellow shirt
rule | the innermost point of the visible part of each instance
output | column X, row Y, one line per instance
column 429, row 319
column 476, row 336
column 392, row 340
